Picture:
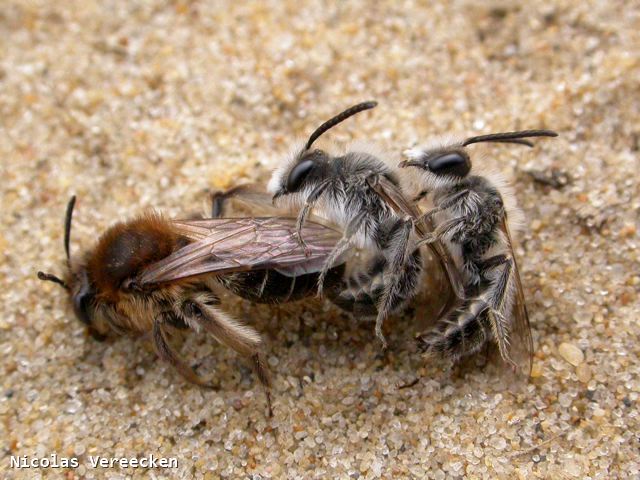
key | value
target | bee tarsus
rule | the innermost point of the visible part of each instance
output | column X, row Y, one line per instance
column 166, row 353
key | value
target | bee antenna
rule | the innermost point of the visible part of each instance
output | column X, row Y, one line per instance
column 511, row 137
column 341, row 117
column 48, row 277
column 67, row 227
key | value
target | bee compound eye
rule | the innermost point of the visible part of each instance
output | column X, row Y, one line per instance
column 82, row 306
column 298, row 174
column 450, row 163
column 83, row 300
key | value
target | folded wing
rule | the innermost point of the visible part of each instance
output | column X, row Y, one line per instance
column 223, row 245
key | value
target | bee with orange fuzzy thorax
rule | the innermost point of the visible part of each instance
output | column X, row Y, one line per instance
column 152, row 274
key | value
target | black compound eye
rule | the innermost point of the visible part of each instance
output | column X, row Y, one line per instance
column 298, row 174
column 82, row 303
column 452, row 163
column 82, row 306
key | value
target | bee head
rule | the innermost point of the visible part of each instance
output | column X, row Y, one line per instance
column 451, row 164
column 446, row 163
column 76, row 282
column 304, row 171
column 83, row 297
column 308, row 166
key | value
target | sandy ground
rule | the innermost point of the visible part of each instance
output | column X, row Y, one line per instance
column 137, row 104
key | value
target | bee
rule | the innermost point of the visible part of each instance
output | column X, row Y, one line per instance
column 151, row 274
column 361, row 194
column 471, row 214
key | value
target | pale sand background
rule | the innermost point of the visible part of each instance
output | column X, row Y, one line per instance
column 138, row 104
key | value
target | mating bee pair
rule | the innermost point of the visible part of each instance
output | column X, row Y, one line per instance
column 154, row 274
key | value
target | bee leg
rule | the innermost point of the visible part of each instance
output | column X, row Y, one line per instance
column 242, row 338
column 220, row 198
column 444, row 204
column 498, row 296
column 166, row 353
column 427, row 217
column 402, row 271
column 96, row 335
column 306, row 210
column 263, row 285
column 446, row 229
column 461, row 333
column 492, row 262
column 359, row 304
column 340, row 248
column 292, row 287
column 360, row 293
column 501, row 331
column 467, row 329
column 262, row 372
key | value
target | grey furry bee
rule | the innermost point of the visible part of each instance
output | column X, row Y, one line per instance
column 151, row 274
column 471, row 214
column 362, row 195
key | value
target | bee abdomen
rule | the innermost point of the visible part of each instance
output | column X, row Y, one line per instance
column 462, row 333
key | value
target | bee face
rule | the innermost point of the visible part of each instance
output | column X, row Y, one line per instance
column 454, row 163
column 83, row 297
column 310, row 167
column 306, row 172
column 441, row 166
column 86, row 306
column 298, row 174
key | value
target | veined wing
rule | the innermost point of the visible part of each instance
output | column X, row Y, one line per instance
column 223, row 245
column 521, row 341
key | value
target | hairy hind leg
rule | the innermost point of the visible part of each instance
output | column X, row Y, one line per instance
column 479, row 320
column 166, row 353
column 401, row 275
column 463, row 332
column 498, row 296
column 242, row 338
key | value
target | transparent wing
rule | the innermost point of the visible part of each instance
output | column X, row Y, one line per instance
column 222, row 245
column 396, row 200
column 521, row 339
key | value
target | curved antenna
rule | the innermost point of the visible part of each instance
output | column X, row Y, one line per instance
column 49, row 277
column 511, row 137
column 67, row 227
column 517, row 141
column 341, row 117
